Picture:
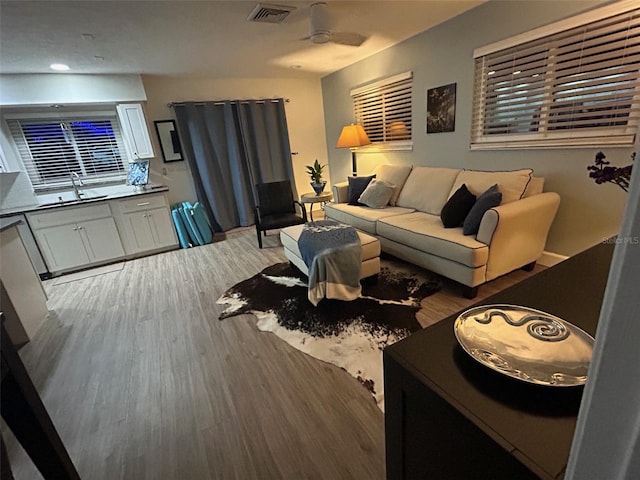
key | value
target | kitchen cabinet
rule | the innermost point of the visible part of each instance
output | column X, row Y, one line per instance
column 151, row 229
column 23, row 300
column 147, row 223
column 134, row 128
column 77, row 237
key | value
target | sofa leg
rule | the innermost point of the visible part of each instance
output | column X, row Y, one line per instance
column 371, row 280
column 469, row 292
column 529, row 267
column 259, row 237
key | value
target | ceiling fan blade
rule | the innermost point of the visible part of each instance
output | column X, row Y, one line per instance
column 348, row 38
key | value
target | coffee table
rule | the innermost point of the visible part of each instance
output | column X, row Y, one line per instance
column 312, row 198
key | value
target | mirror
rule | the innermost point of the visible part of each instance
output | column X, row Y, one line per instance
column 169, row 141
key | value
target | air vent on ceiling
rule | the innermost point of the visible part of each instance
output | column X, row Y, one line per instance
column 266, row 13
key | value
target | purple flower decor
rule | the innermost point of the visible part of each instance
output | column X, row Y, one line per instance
column 601, row 172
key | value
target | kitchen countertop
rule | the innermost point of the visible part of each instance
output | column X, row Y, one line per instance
column 113, row 196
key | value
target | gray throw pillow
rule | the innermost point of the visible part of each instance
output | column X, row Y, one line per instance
column 377, row 194
column 489, row 199
column 356, row 187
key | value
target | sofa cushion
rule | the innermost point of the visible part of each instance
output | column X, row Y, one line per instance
column 362, row 218
column 489, row 199
column 512, row 184
column 426, row 233
column 457, row 207
column 377, row 194
column 395, row 174
column 427, row 189
column 535, row 187
column 357, row 185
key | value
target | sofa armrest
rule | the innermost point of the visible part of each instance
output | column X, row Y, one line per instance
column 340, row 191
column 516, row 232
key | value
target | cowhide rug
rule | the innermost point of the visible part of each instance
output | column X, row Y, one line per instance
column 350, row 335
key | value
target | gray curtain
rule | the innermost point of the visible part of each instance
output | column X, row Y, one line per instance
column 231, row 146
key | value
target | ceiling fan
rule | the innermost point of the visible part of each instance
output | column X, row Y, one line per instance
column 320, row 31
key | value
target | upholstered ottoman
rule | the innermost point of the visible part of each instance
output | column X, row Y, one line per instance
column 370, row 251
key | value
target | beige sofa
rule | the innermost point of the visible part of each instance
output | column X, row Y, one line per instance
column 511, row 235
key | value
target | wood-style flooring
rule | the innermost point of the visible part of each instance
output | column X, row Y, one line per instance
column 143, row 381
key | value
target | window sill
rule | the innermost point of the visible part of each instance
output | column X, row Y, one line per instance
column 595, row 142
column 387, row 147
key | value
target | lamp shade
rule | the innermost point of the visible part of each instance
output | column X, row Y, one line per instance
column 352, row 136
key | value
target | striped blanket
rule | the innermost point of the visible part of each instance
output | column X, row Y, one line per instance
column 332, row 252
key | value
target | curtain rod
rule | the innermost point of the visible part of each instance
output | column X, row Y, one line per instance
column 221, row 102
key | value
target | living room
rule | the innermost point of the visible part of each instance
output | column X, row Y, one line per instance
column 318, row 107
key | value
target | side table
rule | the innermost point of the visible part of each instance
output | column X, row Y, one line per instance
column 312, row 198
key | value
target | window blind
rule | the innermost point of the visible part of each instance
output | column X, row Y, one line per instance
column 383, row 109
column 51, row 149
column 579, row 86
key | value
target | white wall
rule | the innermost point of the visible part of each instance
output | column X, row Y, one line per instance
column 50, row 88
column 305, row 119
column 444, row 54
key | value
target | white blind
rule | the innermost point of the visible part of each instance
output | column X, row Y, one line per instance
column 384, row 109
column 570, row 88
column 50, row 149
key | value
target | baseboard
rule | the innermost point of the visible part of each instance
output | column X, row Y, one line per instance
column 549, row 259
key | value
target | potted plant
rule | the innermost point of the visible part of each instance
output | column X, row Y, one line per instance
column 315, row 173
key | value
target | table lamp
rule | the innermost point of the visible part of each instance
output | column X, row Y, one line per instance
column 353, row 136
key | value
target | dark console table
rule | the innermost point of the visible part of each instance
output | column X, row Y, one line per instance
column 448, row 417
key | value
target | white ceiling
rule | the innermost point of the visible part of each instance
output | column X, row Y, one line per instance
column 201, row 38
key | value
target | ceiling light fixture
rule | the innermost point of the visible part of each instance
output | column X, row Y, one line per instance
column 59, row 67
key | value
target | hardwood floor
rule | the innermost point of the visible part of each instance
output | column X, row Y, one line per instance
column 143, row 381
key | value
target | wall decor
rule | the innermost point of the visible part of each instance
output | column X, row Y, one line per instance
column 169, row 141
column 441, row 109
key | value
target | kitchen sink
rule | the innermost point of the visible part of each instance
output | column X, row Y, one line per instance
column 72, row 202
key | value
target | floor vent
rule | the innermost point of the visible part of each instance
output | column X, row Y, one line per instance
column 266, row 13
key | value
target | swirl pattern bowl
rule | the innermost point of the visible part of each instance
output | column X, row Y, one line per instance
column 526, row 344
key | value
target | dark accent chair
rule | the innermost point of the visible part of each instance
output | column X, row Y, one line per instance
column 276, row 208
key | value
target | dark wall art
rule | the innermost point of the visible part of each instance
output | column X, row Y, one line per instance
column 169, row 142
column 441, row 109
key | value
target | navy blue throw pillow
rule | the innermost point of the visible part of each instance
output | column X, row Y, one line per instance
column 489, row 199
column 357, row 185
column 457, row 207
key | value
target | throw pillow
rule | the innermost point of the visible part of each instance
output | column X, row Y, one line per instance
column 357, row 185
column 377, row 194
column 457, row 207
column 489, row 199
column 396, row 174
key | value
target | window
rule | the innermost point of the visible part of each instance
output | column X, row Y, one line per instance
column 573, row 83
column 383, row 109
column 90, row 145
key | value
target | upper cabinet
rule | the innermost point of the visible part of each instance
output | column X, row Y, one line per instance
column 134, row 128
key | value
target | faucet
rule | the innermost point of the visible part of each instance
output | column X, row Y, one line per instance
column 75, row 187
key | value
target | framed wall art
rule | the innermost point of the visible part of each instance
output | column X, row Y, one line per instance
column 169, row 141
column 441, row 109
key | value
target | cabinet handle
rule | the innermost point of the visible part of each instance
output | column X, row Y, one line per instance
column 144, row 216
column 143, row 203
column 79, row 228
column 75, row 228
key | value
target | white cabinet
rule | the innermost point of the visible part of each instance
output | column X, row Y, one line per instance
column 150, row 229
column 147, row 223
column 134, row 129
column 71, row 237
